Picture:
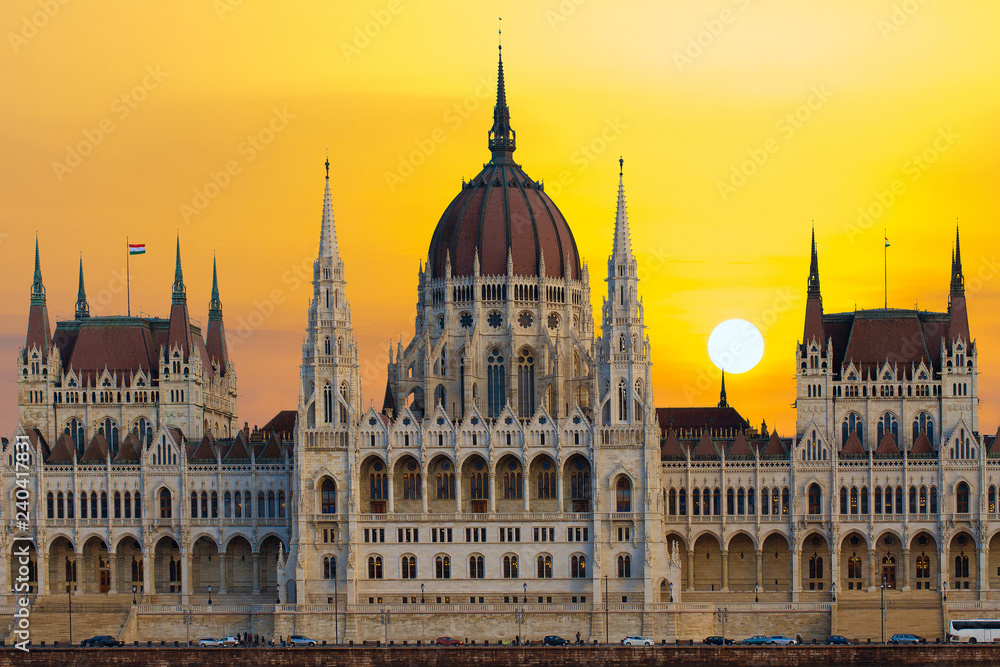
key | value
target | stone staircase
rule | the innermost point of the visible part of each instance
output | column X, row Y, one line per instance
column 92, row 615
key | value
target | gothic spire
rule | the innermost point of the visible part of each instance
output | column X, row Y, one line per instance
column 215, row 305
column 622, row 248
column 814, row 330
column 328, row 232
column 814, row 290
column 37, row 288
column 722, row 394
column 82, row 309
column 180, row 293
column 501, row 137
column 957, row 277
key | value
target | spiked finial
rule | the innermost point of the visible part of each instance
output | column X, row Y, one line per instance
column 622, row 250
column 180, row 292
column 814, row 268
column 37, row 288
column 82, row 309
column 215, row 305
column 722, row 394
column 501, row 136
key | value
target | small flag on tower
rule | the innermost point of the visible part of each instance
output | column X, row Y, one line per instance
column 886, row 241
column 137, row 248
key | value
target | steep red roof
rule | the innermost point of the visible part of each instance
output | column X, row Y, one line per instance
column 37, row 440
column 271, row 451
column 129, row 450
column 97, row 450
column 705, row 449
column 205, row 451
column 888, row 445
column 922, row 445
column 64, row 451
column 283, row 424
column 775, row 448
column 699, row 418
column 853, row 446
column 870, row 338
column 671, row 447
column 994, row 446
column 239, row 450
column 740, row 447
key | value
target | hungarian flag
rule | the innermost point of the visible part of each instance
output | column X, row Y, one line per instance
column 886, row 241
column 137, row 248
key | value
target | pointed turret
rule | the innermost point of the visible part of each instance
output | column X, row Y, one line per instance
column 502, row 137
column 956, row 298
column 722, row 394
column 216, row 339
column 82, row 309
column 180, row 324
column 39, row 335
column 623, row 240
column 814, row 302
column 328, row 231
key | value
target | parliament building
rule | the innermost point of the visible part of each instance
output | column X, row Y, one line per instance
column 518, row 479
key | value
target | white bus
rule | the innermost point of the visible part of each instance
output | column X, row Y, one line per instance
column 974, row 630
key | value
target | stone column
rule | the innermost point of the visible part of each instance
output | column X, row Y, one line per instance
column 691, row 570
column 943, row 558
column 905, row 579
column 725, row 571
column 5, row 560
column 874, row 577
column 390, row 503
column 222, row 572
column 186, row 566
column 984, row 569
column 113, row 570
column 42, row 572
column 81, row 576
column 256, row 573
column 796, row 570
column 493, row 491
column 759, row 554
column 423, row 490
column 559, row 490
column 148, row 576
column 458, row 491
column 834, row 570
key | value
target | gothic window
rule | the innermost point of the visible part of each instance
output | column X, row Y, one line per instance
column 71, row 506
column 194, row 504
column 546, row 481
column 74, row 427
column 495, row 319
column 696, row 501
column 343, row 403
column 751, row 502
column 854, row 500
column 853, row 424
column 854, row 567
column 785, row 501
column 51, row 511
column 238, row 506
column 526, row 384
column 622, row 401
column 525, row 319
column 682, row 502
column 923, row 423
column 578, row 567
column 143, row 430
column 815, row 499
column 672, row 502
column 843, row 500
column 513, row 481
column 621, row 343
column 962, row 498
column 327, row 403
column 623, row 495
column 476, row 568
column 553, row 321
column 624, row 566
column 510, row 567
column 228, row 502
column 379, row 485
column 446, row 484
column 730, row 502
column 270, row 504
column 479, row 484
column 328, row 495
column 408, row 567
column 496, row 396
column 374, row 567
column 166, row 511
column 887, row 424
column 442, row 567
column 138, row 506
column 544, row 566
column 465, row 320
column 330, row 567
column 326, row 345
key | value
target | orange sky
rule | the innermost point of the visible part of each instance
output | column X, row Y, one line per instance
column 741, row 122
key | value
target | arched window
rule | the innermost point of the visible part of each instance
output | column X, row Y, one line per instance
column 238, row 506
column 215, row 505
column 843, row 500
column 445, row 485
column 854, row 500
column 408, row 567
column 326, row 345
column 281, row 504
column 526, row 384
column 496, row 395
column 962, row 567
column 204, row 505
column 442, row 567
column 878, row 500
column 328, row 497
column 476, row 567
column 51, row 505
column 624, row 566
column 696, row 502
column 623, row 495
column 262, row 505
column 815, row 499
column 71, row 506
column 887, row 424
column 330, row 567
column 166, row 511
column 991, row 500
column 854, row 571
column 751, row 501
column 374, row 567
column 962, row 498
column 546, row 481
column 622, row 401
column 923, row 422
column 74, row 428
column 343, row 401
column 853, row 424
column 682, row 502
column 510, row 567
column 138, row 505
column 228, row 503
column 785, row 501
column 765, row 501
column 378, row 483
column 544, row 566
column 578, row 567
column 899, row 500
column 270, row 504
column 815, row 569
column 143, row 430
column 730, row 502
column 327, row 403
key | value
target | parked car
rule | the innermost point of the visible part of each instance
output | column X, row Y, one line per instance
column 555, row 640
column 208, row 641
column 780, row 640
column 301, row 640
column 229, row 641
column 903, row 638
column 838, row 639
column 756, row 640
column 447, row 641
column 100, row 641
column 716, row 640
column 636, row 640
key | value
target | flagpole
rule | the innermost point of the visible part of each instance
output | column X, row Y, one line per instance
column 885, row 265
column 128, row 291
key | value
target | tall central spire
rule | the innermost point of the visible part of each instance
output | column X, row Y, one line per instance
column 623, row 239
column 82, row 309
column 814, row 269
column 501, row 135
column 957, row 276
column 37, row 288
column 328, row 232
column 179, row 292
column 215, row 305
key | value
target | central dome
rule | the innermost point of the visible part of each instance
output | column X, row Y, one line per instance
column 500, row 213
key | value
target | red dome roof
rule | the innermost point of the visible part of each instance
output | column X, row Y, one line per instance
column 500, row 212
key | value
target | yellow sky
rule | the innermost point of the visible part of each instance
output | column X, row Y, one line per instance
column 741, row 122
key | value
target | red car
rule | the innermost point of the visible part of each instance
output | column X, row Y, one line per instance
column 447, row 641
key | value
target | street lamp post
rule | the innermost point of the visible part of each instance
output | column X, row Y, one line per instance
column 69, row 597
column 671, row 585
column 187, row 625
column 883, row 608
column 336, row 599
column 210, row 595
column 385, row 622
column 134, row 589
column 421, row 593
column 723, row 616
column 519, row 617
column 607, row 635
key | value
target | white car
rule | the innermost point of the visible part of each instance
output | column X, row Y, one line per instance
column 780, row 640
column 301, row 640
column 229, row 641
column 636, row 640
column 208, row 641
